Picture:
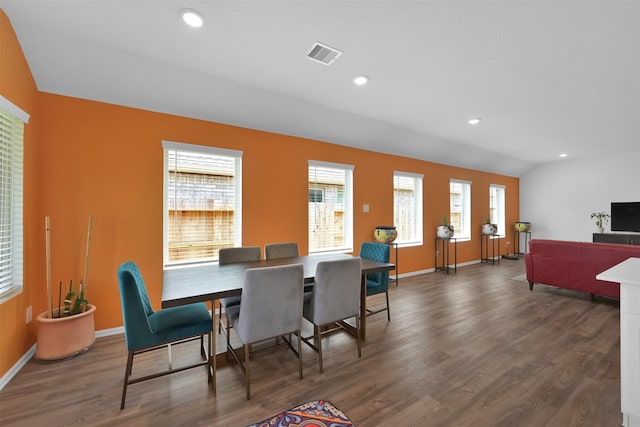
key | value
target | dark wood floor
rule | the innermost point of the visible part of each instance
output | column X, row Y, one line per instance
column 474, row 348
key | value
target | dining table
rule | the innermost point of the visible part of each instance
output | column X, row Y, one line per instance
column 190, row 284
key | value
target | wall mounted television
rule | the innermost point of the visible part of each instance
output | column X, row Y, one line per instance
column 625, row 216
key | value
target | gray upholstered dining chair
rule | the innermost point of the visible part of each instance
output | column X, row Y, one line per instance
column 335, row 296
column 281, row 250
column 231, row 256
column 271, row 307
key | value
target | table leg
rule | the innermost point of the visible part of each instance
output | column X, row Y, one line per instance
column 213, row 343
column 363, row 307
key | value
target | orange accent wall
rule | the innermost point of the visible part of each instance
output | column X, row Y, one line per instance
column 106, row 161
column 18, row 86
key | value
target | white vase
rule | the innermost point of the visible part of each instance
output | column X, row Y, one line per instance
column 444, row 231
column 489, row 229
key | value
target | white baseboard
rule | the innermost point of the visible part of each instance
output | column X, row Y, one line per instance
column 108, row 332
column 17, row 366
column 32, row 351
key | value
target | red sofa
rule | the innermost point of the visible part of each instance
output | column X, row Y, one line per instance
column 574, row 265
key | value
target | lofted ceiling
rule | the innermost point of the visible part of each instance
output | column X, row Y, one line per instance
column 546, row 77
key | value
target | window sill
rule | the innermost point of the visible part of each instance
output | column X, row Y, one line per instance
column 10, row 293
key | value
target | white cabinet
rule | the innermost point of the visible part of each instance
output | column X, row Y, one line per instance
column 627, row 273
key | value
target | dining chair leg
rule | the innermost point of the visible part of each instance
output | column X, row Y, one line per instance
column 388, row 311
column 202, row 351
column 358, row 335
column 227, row 327
column 228, row 343
column 318, row 338
column 127, row 372
column 299, row 333
column 246, row 369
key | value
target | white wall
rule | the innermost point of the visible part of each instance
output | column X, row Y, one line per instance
column 558, row 198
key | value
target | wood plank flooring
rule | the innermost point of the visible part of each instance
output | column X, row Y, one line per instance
column 468, row 349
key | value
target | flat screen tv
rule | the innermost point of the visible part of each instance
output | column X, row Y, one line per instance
column 625, row 216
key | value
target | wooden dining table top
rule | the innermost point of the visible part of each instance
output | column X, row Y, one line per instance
column 190, row 284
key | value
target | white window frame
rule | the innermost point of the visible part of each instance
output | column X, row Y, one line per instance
column 497, row 207
column 237, row 224
column 417, row 237
column 464, row 232
column 347, row 245
column 11, row 201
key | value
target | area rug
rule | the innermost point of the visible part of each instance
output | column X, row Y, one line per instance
column 317, row 413
column 520, row 277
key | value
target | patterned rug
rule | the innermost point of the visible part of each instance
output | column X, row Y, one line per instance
column 317, row 413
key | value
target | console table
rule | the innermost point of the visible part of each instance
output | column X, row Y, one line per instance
column 486, row 241
column 446, row 243
column 621, row 238
column 627, row 273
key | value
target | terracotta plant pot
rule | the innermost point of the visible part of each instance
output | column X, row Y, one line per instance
column 59, row 338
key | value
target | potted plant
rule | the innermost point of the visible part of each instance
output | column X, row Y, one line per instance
column 602, row 218
column 489, row 228
column 69, row 328
column 444, row 230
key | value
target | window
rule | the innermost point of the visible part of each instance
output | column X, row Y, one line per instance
column 407, row 207
column 202, row 202
column 316, row 195
column 460, row 208
column 12, row 120
column 497, row 207
column 330, row 207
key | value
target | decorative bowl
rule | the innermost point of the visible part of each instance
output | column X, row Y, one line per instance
column 385, row 234
column 523, row 226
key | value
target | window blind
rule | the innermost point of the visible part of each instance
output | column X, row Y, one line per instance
column 11, row 181
column 407, row 207
column 460, row 207
column 330, row 207
column 202, row 202
column 497, row 207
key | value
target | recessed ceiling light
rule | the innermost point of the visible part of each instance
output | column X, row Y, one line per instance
column 193, row 18
column 475, row 121
column 563, row 155
column 361, row 80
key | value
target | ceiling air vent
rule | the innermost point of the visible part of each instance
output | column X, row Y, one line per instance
column 323, row 53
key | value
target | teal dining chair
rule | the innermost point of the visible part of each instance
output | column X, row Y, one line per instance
column 377, row 283
column 146, row 329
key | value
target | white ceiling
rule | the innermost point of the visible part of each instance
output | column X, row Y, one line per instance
column 547, row 77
